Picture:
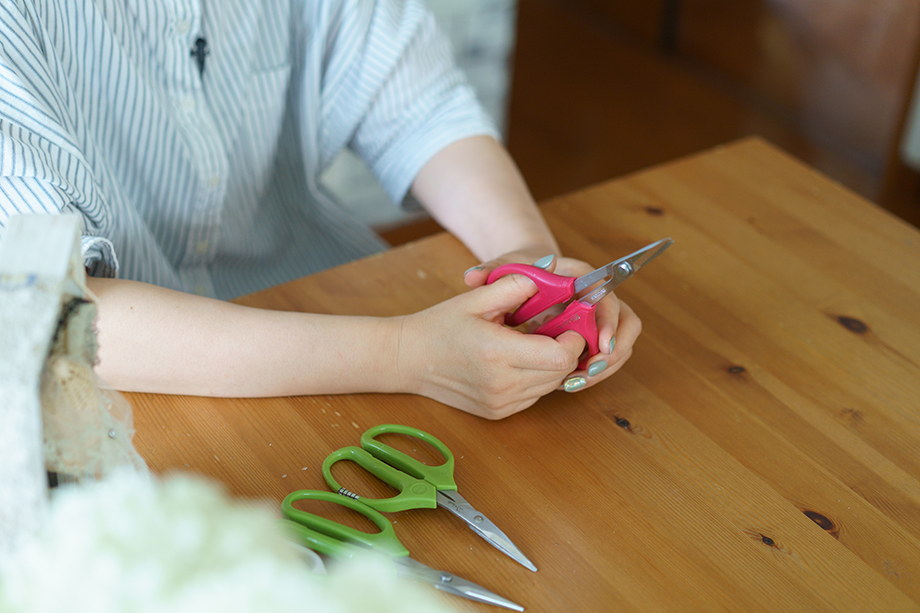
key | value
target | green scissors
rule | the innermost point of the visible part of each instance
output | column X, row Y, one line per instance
column 420, row 486
column 333, row 539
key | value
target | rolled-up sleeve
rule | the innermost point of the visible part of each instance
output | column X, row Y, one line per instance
column 393, row 88
column 42, row 170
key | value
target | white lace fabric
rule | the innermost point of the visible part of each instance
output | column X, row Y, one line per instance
column 87, row 426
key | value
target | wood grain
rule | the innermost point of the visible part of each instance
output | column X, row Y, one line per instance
column 757, row 453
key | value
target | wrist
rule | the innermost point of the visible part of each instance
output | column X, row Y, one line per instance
column 533, row 244
column 404, row 371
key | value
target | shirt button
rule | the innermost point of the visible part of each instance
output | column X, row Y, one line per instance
column 201, row 290
column 188, row 103
column 214, row 181
column 201, row 247
column 183, row 27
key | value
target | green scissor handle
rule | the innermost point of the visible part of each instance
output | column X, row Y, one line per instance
column 316, row 541
column 441, row 476
column 413, row 493
column 332, row 538
column 417, row 483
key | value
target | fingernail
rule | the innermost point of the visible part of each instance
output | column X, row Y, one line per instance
column 597, row 367
column 613, row 343
column 574, row 384
column 471, row 269
column 544, row 262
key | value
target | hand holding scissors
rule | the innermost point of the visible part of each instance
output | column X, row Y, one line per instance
column 578, row 315
column 334, row 539
column 419, row 486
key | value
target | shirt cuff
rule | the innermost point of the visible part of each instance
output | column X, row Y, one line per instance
column 99, row 256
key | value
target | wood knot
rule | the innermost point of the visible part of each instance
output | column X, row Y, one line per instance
column 852, row 324
column 632, row 428
column 654, row 210
column 736, row 370
column 823, row 521
column 852, row 415
column 762, row 539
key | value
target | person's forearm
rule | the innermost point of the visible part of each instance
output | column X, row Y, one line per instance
column 157, row 340
column 475, row 191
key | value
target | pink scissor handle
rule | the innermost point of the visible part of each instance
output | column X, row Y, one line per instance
column 551, row 290
column 579, row 317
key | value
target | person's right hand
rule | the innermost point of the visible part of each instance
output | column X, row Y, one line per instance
column 618, row 325
column 459, row 352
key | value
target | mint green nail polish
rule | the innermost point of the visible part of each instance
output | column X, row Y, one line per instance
column 544, row 262
column 471, row 269
column 597, row 367
column 613, row 343
column 574, row 384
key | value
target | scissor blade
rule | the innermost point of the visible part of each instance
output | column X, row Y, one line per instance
column 622, row 269
column 481, row 525
column 450, row 583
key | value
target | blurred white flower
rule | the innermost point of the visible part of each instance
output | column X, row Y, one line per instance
column 134, row 544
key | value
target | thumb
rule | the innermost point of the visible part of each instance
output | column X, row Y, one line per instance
column 504, row 296
column 572, row 343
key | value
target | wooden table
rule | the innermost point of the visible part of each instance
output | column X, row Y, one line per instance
column 759, row 452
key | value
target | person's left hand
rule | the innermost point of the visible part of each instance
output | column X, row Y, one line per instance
column 617, row 324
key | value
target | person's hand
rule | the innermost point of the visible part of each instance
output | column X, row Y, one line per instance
column 460, row 353
column 617, row 325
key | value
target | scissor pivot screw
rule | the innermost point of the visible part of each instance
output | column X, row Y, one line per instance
column 446, row 578
column 625, row 268
column 478, row 519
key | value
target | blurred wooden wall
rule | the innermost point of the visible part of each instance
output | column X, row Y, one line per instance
column 605, row 87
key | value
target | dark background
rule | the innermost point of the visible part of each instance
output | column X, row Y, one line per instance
column 602, row 88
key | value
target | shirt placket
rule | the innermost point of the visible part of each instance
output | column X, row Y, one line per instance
column 207, row 151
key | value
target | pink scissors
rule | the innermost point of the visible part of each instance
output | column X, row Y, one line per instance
column 555, row 289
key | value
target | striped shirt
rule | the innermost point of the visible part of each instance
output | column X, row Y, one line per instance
column 208, row 181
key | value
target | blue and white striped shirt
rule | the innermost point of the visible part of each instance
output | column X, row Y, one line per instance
column 209, row 182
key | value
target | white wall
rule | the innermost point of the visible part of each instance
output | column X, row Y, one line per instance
column 910, row 142
column 482, row 34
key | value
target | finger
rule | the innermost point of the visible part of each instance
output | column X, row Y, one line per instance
column 628, row 330
column 478, row 275
column 620, row 344
column 494, row 301
column 572, row 345
column 547, row 263
column 607, row 315
column 541, row 355
column 602, row 366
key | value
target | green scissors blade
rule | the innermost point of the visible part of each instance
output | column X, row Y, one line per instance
column 481, row 525
column 452, row 584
